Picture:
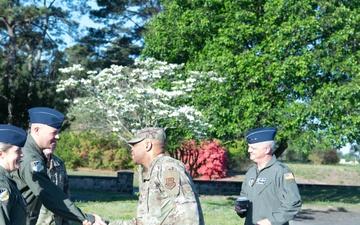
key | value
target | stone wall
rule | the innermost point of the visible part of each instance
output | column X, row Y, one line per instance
column 123, row 184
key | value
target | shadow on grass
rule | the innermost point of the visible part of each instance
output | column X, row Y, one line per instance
column 330, row 193
column 99, row 196
column 309, row 194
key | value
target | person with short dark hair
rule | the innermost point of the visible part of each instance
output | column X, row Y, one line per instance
column 32, row 179
column 270, row 187
column 12, row 203
column 167, row 192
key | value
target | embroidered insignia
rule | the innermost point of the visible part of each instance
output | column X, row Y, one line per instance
column 38, row 167
column 170, row 183
column 261, row 181
column 4, row 195
column 251, row 181
column 289, row 176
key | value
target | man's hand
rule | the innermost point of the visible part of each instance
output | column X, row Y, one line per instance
column 85, row 222
column 238, row 210
column 98, row 220
column 263, row 222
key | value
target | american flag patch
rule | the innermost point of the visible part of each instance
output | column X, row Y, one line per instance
column 289, row 176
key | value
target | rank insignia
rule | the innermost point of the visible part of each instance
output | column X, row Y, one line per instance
column 261, row 181
column 4, row 195
column 170, row 183
column 38, row 167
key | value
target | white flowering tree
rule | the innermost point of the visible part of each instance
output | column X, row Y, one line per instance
column 153, row 93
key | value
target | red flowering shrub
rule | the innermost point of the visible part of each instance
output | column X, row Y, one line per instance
column 207, row 160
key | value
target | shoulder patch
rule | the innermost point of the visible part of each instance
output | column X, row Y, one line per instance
column 4, row 194
column 289, row 176
column 37, row 166
column 171, row 182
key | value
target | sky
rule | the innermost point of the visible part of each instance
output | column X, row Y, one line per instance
column 345, row 149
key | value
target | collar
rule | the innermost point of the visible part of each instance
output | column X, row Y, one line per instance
column 4, row 172
column 271, row 162
column 152, row 165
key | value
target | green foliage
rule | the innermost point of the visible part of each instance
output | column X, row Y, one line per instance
column 237, row 152
column 316, row 157
column 328, row 157
column 292, row 64
column 89, row 149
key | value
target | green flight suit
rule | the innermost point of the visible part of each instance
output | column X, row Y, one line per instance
column 37, row 188
column 273, row 194
column 57, row 172
column 13, row 205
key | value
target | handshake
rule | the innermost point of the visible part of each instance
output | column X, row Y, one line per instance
column 241, row 206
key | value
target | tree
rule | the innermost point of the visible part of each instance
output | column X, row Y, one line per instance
column 118, row 39
column 292, row 64
column 31, row 33
column 127, row 99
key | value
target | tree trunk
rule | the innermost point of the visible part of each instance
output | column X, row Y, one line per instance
column 281, row 148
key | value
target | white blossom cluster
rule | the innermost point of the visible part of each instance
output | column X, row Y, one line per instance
column 130, row 100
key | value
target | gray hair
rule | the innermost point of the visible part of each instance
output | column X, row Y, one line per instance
column 5, row 146
column 271, row 144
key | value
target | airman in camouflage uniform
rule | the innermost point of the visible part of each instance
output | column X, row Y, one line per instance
column 57, row 172
column 167, row 192
column 269, row 185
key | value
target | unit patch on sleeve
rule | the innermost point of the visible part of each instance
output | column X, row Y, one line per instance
column 171, row 181
column 37, row 166
column 4, row 195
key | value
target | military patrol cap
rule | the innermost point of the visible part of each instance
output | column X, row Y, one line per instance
column 12, row 135
column 47, row 116
column 149, row 132
column 261, row 134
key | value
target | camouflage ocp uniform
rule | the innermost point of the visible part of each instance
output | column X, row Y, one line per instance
column 167, row 195
column 57, row 172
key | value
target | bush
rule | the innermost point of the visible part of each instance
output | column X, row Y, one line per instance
column 316, row 157
column 238, row 154
column 208, row 160
column 89, row 149
column 331, row 156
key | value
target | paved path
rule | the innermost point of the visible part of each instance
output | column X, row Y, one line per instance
column 327, row 215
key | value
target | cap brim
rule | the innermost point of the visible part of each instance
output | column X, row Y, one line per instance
column 135, row 140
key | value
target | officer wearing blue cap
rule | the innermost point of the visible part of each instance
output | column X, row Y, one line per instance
column 13, row 205
column 32, row 178
column 269, row 185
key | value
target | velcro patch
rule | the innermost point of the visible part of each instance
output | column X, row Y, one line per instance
column 171, row 181
column 4, row 195
column 289, row 176
column 37, row 167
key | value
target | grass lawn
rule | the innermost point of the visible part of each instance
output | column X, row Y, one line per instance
column 220, row 209
column 217, row 209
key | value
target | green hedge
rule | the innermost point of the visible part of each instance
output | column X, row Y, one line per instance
column 90, row 149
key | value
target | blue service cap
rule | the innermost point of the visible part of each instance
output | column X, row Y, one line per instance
column 12, row 135
column 261, row 134
column 47, row 116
